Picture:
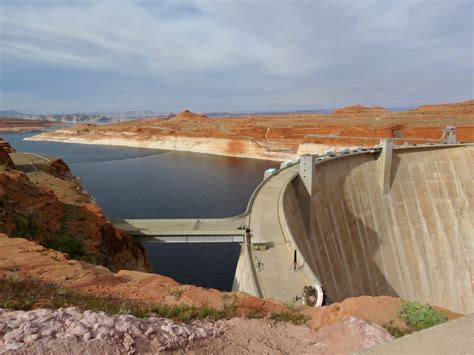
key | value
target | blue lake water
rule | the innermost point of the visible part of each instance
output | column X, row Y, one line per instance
column 149, row 183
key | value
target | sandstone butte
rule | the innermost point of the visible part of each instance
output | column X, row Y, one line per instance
column 278, row 137
column 113, row 264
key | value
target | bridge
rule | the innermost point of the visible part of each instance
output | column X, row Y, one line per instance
column 205, row 230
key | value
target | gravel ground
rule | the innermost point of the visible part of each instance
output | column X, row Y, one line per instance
column 68, row 330
column 260, row 336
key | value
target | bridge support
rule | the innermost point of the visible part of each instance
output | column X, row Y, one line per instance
column 307, row 171
column 385, row 165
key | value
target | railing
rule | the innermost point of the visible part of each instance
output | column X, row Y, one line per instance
column 192, row 238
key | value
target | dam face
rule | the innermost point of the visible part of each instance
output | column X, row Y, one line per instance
column 415, row 241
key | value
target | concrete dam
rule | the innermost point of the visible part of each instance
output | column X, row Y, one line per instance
column 415, row 241
column 391, row 221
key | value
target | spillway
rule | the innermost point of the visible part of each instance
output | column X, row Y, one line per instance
column 415, row 241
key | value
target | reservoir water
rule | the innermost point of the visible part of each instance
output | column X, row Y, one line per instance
column 150, row 183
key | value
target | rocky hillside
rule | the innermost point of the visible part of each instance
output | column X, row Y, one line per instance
column 5, row 160
column 23, row 259
column 278, row 137
column 50, row 208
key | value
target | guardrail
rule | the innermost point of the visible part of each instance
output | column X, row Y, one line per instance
column 192, row 238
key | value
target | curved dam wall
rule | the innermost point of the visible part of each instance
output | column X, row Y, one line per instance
column 415, row 242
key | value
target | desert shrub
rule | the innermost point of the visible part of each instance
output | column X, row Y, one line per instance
column 255, row 314
column 394, row 330
column 26, row 294
column 419, row 317
column 294, row 318
column 65, row 243
column 4, row 202
column 25, row 225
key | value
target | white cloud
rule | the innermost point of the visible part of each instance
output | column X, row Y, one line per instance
column 251, row 46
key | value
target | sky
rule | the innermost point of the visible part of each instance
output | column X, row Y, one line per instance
column 233, row 55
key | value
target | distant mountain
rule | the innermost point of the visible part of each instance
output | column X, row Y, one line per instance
column 265, row 113
column 111, row 117
column 128, row 115
column 99, row 118
column 12, row 113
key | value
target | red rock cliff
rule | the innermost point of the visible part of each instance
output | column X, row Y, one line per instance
column 51, row 208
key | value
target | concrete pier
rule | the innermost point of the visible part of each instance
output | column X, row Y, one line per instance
column 385, row 164
column 307, row 166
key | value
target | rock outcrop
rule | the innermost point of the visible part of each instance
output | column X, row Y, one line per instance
column 5, row 160
column 52, row 209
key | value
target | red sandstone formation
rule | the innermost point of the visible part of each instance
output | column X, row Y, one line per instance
column 278, row 137
column 6, row 146
column 187, row 115
column 59, row 168
column 5, row 149
column 52, row 208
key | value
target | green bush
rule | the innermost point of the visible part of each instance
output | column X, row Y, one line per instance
column 4, row 203
column 291, row 317
column 420, row 317
column 25, row 225
column 73, row 246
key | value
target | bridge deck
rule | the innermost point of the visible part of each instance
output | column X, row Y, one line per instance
column 185, row 230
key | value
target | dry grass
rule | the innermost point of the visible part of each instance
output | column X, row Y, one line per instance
column 27, row 294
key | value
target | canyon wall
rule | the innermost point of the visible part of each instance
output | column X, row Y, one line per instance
column 49, row 206
column 415, row 242
column 236, row 147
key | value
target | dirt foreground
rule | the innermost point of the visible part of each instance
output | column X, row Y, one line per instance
column 69, row 331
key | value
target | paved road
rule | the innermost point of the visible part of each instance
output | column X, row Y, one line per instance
column 277, row 277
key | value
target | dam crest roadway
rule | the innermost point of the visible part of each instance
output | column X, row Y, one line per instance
column 391, row 220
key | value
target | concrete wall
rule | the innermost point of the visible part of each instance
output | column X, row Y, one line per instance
column 415, row 242
column 244, row 279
